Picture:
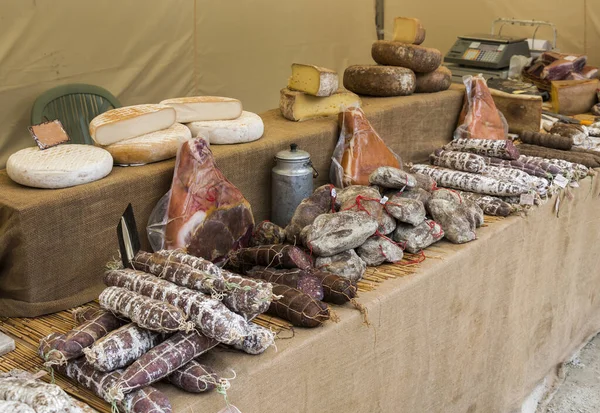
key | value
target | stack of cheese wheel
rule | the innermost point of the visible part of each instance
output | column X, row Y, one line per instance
column 405, row 66
column 141, row 134
column 218, row 120
column 312, row 92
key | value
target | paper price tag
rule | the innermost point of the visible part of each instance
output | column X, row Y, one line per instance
column 570, row 58
column 383, row 200
column 561, row 181
column 333, row 192
column 526, row 199
column 574, row 184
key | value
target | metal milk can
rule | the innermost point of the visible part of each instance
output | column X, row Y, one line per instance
column 291, row 182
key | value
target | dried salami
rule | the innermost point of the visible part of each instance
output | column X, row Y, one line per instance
column 159, row 362
column 301, row 280
column 121, row 347
column 148, row 313
column 460, row 161
column 497, row 148
column 194, row 377
column 298, row 308
column 416, row 238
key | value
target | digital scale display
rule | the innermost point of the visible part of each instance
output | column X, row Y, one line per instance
column 483, row 52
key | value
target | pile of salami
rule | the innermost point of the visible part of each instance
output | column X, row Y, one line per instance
column 155, row 321
column 496, row 175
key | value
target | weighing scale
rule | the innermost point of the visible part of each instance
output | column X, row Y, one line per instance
column 489, row 54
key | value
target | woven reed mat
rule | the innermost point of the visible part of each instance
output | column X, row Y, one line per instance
column 29, row 331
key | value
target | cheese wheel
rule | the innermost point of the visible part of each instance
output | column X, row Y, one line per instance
column 314, row 80
column 379, row 80
column 247, row 128
column 201, row 108
column 60, row 166
column 408, row 30
column 151, row 147
column 298, row 106
column 130, row 121
column 436, row 81
column 416, row 58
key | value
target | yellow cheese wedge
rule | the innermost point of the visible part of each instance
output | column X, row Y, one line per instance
column 408, row 30
column 314, row 80
column 299, row 106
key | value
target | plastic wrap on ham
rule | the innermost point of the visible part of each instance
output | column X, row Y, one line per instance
column 359, row 151
column 589, row 72
column 206, row 214
column 558, row 65
column 480, row 119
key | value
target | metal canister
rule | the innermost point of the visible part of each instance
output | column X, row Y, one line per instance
column 291, row 182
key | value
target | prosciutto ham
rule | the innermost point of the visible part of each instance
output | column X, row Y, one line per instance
column 207, row 215
column 359, row 151
column 480, row 119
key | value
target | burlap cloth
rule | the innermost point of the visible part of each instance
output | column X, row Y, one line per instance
column 55, row 243
column 471, row 332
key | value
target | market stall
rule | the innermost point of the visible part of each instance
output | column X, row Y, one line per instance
column 429, row 246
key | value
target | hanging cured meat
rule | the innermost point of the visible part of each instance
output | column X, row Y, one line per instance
column 480, row 119
column 359, row 151
column 207, row 214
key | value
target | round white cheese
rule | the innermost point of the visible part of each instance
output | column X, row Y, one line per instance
column 59, row 167
column 201, row 108
column 247, row 128
column 130, row 121
column 151, row 147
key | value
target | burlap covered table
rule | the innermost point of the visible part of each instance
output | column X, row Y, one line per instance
column 55, row 243
column 473, row 331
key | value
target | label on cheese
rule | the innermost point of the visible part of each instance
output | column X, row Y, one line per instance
column 49, row 134
column 130, row 121
column 201, row 108
column 298, row 106
column 151, row 147
column 314, row 80
column 247, row 128
column 59, row 167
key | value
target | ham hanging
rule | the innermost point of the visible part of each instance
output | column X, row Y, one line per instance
column 480, row 119
column 207, row 214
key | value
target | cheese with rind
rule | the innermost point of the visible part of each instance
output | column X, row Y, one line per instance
column 408, row 30
column 151, row 147
column 298, row 106
column 419, row 59
column 130, row 121
column 247, row 128
column 374, row 80
column 313, row 80
column 201, row 108
column 61, row 166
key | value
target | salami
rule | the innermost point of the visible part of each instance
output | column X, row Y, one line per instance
column 162, row 360
column 489, row 204
column 497, row 148
column 368, row 200
column 416, row 238
column 320, row 202
column 407, row 210
column 267, row 233
column 246, row 295
column 14, row 407
column 148, row 313
column 278, row 256
column 390, row 177
column 236, row 296
column 121, row 347
column 298, row 308
column 377, row 250
column 470, row 182
column 211, row 317
column 194, row 378
column 301, row 280
column 460, row 161
column 41, row 397
column 146, row 400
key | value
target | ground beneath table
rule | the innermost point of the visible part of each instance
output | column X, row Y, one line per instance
column 580, row 391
